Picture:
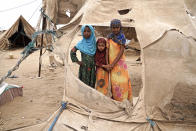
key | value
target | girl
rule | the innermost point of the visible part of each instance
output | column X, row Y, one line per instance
column 100, row 61
column 120, row 81
column 87, row 47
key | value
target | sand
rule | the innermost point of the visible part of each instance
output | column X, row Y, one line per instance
column 42, row 96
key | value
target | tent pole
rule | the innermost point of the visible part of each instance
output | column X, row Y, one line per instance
column 42, row 41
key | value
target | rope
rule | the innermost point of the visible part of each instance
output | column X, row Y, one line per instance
column 29, row 49
column 34, row 12
column 44, row 15
column 63, row 107
column 18, row 6
column 50, row 21
column 152, row 123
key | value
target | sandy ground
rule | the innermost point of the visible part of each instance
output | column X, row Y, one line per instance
column 42, row 96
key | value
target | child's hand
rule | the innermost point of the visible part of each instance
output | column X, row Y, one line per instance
column 80, row 63
column 110, row 67
column 107, row 67
column 104, row 66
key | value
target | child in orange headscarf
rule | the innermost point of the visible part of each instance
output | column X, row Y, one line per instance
column 120, row 80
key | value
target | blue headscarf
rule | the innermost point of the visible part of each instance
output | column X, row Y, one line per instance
column 87, row 46
column 120, row 38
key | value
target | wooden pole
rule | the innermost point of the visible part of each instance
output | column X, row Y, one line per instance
column 42, row 41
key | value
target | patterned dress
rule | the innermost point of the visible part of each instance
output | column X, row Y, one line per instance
column 102, row 77
column 87, row 69
column 120, row 81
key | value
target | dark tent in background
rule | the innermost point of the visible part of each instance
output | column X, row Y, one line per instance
column 19, row 35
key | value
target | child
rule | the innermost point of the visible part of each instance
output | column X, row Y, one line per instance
column 87, row 47
column 120, row 81
column 100, row 61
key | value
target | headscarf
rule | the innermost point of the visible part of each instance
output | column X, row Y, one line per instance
column 115, row 23
column 119, row 38
column 87, row 46
column 100, row 58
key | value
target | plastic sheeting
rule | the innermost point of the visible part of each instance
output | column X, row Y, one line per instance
column 8, row 92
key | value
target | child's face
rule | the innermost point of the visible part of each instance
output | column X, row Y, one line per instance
column 115, row 30
column 87, row 32
column 101, row 46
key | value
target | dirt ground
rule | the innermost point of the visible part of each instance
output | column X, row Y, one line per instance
column 42, row 96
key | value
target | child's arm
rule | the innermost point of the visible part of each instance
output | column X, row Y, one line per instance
column 74, row 57
column 118, row 56
column 105, row 66
column 107, row 56
column 99, row 65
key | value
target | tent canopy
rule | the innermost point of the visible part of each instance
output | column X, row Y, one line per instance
column 167, row 36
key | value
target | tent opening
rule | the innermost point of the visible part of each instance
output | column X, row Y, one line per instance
column 132, row 52
column 19, row 39
column 132, row 43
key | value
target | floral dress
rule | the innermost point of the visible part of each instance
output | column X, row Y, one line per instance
column 87, row 69
column 120, row 80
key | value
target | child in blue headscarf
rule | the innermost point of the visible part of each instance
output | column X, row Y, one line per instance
column 87, row 47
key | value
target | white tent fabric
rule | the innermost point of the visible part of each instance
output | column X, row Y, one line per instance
column 56, row 9
column 147, row 15
column 191, row 10
column 190, row 4
column 167, row 39
column 170, row 77
column 28, row 29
